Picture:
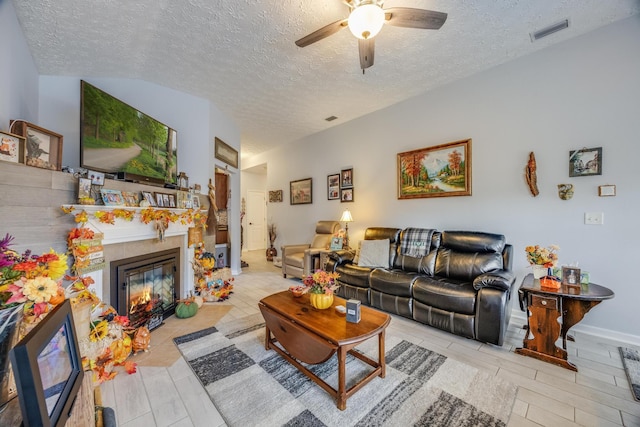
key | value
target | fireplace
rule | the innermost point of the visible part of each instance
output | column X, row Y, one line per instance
column 145, row 287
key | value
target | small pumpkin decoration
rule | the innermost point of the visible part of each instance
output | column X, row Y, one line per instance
column 198, row 300
column 186, row 309
column 58, row 297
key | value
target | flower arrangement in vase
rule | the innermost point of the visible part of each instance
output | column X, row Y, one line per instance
column 30, row 286
column 320, row 285
column 541, row 259
column 31, row 281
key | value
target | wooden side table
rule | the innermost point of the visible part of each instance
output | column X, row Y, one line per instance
column 550, row 315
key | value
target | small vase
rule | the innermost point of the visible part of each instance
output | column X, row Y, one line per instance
column 271, row 252
column 321, row 301
column 539, row 271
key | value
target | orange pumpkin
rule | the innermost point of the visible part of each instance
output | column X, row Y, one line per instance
column 57, row 298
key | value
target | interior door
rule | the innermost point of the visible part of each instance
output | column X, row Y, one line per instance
column 256, row 220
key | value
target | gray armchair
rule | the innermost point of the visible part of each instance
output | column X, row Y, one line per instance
column 303, row 259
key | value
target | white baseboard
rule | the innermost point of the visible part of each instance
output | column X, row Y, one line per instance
column 593, row 331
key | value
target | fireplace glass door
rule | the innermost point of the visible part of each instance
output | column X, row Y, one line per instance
column 147, row 289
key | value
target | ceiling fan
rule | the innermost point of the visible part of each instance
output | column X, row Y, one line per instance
column 366, row 19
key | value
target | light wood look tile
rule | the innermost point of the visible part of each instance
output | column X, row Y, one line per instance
column 597, row 395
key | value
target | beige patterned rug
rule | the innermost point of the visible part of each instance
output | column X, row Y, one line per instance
column 163, row 351
column 422, row 388
column 631, row 363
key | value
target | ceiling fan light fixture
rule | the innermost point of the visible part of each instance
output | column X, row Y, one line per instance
column 366, row 21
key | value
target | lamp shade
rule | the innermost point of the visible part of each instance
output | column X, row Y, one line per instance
column 366, row 21
column 346, row 216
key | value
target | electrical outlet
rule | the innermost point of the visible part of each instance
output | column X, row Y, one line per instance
column 594, row 218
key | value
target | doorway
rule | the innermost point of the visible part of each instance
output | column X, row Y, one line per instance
column 256, row 220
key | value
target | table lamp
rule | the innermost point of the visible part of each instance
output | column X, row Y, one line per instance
column 346, row 218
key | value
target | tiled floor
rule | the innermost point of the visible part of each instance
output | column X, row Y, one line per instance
column 598, row 395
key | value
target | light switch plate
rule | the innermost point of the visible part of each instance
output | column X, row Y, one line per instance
column 594, row 218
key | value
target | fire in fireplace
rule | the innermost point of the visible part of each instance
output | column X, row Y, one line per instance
column 144, row 287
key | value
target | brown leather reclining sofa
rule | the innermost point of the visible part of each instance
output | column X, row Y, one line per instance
column 457, row 281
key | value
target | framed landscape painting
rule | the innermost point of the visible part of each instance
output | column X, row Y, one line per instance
column 439, row 171
column 300, row 192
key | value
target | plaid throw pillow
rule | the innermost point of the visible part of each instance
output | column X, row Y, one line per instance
column 416, row 242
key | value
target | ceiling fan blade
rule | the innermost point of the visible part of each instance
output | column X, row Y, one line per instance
column 415, row 18
column 322, row 33
column 366, row 47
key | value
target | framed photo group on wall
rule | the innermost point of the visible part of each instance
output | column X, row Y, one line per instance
column 340, row 186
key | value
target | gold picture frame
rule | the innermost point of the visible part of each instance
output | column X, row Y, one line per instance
column 275, row 196
column 439, row 171
column 43, row 148
column 226, row 153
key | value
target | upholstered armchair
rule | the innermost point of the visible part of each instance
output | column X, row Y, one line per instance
column 303, row 259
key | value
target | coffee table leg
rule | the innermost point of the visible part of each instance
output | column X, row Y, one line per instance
column 342, row 393
column 383, row 366
column 267, row 337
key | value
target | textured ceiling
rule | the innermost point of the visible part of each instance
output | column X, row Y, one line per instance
column 240, row 54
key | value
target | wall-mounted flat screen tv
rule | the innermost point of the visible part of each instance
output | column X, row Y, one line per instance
column 119, row 139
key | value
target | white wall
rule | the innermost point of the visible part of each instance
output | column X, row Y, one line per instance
column 18, row 75
column 222, row 127
column 581, row 93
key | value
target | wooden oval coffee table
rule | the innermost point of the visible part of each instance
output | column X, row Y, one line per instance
column 312, row 336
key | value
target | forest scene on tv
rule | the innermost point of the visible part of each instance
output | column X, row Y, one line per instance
column 118, row 138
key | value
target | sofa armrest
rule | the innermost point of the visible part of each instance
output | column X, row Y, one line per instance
column 342, row 256
column 498, row 279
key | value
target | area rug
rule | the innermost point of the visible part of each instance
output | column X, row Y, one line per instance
column 252, row 386
column 631, row 363
column 162, row 351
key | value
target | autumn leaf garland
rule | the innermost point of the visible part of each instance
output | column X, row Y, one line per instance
column 146, row 216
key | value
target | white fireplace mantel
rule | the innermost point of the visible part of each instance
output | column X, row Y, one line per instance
column 123, row 231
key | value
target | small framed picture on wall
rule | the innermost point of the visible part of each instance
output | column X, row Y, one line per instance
column 333, row 186
column 346, row 178
column 585, row 162
column 346, row 195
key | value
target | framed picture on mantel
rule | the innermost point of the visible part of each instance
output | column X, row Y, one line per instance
column 43, row 148
column 11, row 148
